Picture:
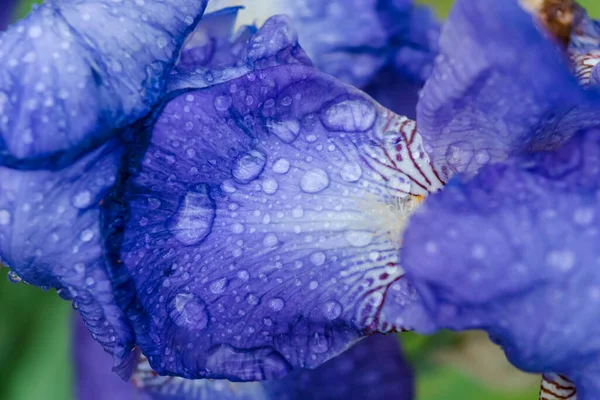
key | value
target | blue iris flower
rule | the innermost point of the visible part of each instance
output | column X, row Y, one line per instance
column 216, row 201
column 513, row 249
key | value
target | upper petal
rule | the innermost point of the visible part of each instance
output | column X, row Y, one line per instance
column 264, row 225
column 50, row 236
column 75, row 70
column 513, row 251
column 499, row 86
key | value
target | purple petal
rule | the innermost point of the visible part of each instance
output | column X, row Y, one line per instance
column 264, row 225
column 6, row 13
column 74, row 71
column 513, row 251
column 50, row 237
column 371, row 370
column 275, row 43
column 468, row 114
column 94, row 378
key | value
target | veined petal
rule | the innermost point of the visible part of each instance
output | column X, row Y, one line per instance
column 263, row 229
column 371, row 370
column 74, row 71
column 50, row 237
column 584, row 48
column 513, row 251
column 499, row 86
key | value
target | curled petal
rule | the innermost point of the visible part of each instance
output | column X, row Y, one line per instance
column 264, row 225
column 513, row 252
column 50, row 236
column 496, row 91
column 371, row 370
column 275, row 43
column 74, row 71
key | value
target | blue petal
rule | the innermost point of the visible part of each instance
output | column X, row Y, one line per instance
column 514, row 252
column 374, row 369
column 264, row 225
column 496, row 91
column 74, row 71
column 50, row 237
column 352, row 40
column 275, row 43
column 7, row 12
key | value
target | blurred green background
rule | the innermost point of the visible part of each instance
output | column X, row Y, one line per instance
column 35, row 340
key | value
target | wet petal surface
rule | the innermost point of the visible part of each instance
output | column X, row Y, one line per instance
column 263, row 232
column 513, row 252
column 468, row 114
column 50, row 237
column 75, row 70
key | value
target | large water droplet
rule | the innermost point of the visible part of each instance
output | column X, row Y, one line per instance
column 276, row 304
column 332, row 309
column 319, row 343
column 270, row 186
column 189, row 311
column 359, row 238
column 5, row 217
column 281, row 166
column 262, row 363
column 350, row 116
column 287, row 131
column 222, row 103
column 314, row 181
column 459, row 155
column 318, row 258
column 249, row 166
column 194, row 218
column 82, row 199
column 351, row 172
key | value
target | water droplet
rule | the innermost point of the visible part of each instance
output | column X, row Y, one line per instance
column 249, row 166
column 82, row 199
column 319, row 343
column 258, row 364
column 222, row 103
column 351, row 172
column 194, row 218
column 318, row 258
column 5, row 217
column 13, row 277
column 35, row 32
column 276, row 304
column 270, row 186
column 563, row 260
column 281, row 166
column 237, row 228
column 189, row 311
column 243, row 275
column 350, row 116
column 86, row 235
column 270, row 240
column 313, row 285
column 219, row 286
column 252, row 299
column 359, row 238
column 298, row 212
column 314, row 181
column 582, row 216
column 287, row 131
column 459, row 155
column 332, row 309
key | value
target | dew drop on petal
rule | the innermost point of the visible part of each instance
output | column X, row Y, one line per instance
column 314, row 181
column 351, row 172
column 359, row 238
column 287, row 131
column 350, row 116
column 276, row 304
column 188, row 311
column 219, row 285
column 281, row 166
column 249, row 166
column 82, row 199
column 318, row 258
column 332, row 309
column 194, row 218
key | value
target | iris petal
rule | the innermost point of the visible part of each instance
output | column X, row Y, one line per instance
column 496, row 91
column 584, row 48
column 264, row 225
column 75, row 70
column 50, row 237
column 371, row 370
column 513, row 252
column 6, row 13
